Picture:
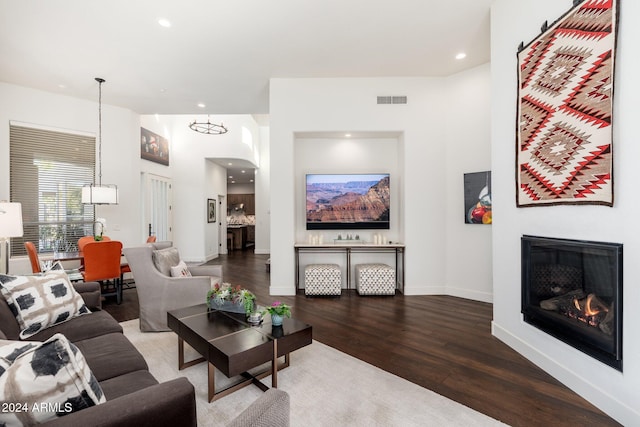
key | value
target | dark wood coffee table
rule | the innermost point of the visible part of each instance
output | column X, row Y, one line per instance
column 228, row 342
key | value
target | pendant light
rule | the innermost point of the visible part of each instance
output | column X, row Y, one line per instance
column 100, row 194
column 208, row 127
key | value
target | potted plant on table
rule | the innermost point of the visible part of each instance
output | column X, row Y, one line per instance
column 278, row 310
column 231, row 298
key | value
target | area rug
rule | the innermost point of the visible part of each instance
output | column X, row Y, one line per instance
column 326, row 387
column 565, row 109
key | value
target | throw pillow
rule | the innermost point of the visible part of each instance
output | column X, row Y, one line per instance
column 164, row 259
column 180, row 270
column 44, row 381
column 39, row 302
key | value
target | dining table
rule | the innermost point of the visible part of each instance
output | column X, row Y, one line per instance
column 68, row 256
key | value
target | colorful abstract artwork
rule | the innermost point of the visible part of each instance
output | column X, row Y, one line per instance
column 565, row 100
column 477, row 198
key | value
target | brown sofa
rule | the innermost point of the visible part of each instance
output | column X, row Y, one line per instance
column 134, row 396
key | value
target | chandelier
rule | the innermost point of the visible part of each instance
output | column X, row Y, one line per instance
column 99, row 194
column 208, row 127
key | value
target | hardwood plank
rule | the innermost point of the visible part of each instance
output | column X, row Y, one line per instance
column 439, row 342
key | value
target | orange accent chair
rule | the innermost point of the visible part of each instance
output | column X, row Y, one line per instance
column 102, row 264
column 88, row 239
column 33, row 257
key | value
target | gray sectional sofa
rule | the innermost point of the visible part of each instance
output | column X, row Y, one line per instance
column 133, row 396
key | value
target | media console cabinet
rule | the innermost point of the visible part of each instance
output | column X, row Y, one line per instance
column 350, row 248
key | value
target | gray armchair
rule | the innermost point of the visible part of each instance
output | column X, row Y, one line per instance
column 159, row 293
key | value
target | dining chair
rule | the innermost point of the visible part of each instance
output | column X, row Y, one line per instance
column 33, row 257
column 88, row 239
column 102, row 264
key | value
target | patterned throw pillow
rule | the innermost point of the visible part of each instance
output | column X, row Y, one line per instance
column 44, row 381
column 180, row 270
column 164, row 259
column 41, row 301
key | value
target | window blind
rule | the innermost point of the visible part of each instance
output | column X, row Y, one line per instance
column 47, row 171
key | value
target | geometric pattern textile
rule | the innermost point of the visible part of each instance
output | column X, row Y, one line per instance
column 565, row 109
column 40, row 381
column 375, row 279
column 322, row 279
column 39, row 302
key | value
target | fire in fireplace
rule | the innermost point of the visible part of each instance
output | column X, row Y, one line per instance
column 572, row 290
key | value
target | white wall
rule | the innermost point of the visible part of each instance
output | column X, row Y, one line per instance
column 332, row 105
column 214, row 186
column 346, row 155
column 196, row 179
column 262, row 188
column 193, row 180
column 468, row 142
column 120, row 128
column 615, row 393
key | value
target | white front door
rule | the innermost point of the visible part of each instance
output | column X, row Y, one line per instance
column 158, row 217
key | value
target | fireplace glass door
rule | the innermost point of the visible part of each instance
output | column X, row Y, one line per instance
column 572, row 290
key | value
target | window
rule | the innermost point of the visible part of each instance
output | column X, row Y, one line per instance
column 47, row 171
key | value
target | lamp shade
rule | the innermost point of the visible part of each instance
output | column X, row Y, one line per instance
column 10, row 220
column 100, row 194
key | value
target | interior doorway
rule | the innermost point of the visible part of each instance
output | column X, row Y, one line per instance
column 158, row 220
column 223, row 243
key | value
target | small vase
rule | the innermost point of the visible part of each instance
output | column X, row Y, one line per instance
column 276, row 319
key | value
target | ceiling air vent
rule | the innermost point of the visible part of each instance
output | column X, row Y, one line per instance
column 392, row 100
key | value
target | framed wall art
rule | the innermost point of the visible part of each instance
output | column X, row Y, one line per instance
column 211, row 210
column 477, row 198
column 565, row 98
column 154, row 147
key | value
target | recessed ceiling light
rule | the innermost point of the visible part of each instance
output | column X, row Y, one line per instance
column 348, row 135
column 230, row 164
column 233, row 182
column 461, row 55
column 201, row 104
column 164, row 23
column 230, row 177
column 243, row 171
column 250, row 180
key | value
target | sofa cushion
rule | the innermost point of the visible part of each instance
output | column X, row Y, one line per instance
column 81, row 328
column 41, row 301
column 8, row 322
column 164, row 259
column 111, row 355
column 127, row 383
column 180, row 270
column 49, row 379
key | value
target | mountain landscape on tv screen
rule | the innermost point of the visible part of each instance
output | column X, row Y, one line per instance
column 348, row 202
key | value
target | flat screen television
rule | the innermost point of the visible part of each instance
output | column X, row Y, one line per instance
column 347, row 201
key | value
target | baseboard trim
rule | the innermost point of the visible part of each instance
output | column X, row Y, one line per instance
column 281, row 291
column 611, row 406
column 470, row 294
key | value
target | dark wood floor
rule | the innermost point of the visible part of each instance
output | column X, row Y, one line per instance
column 438, row 342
